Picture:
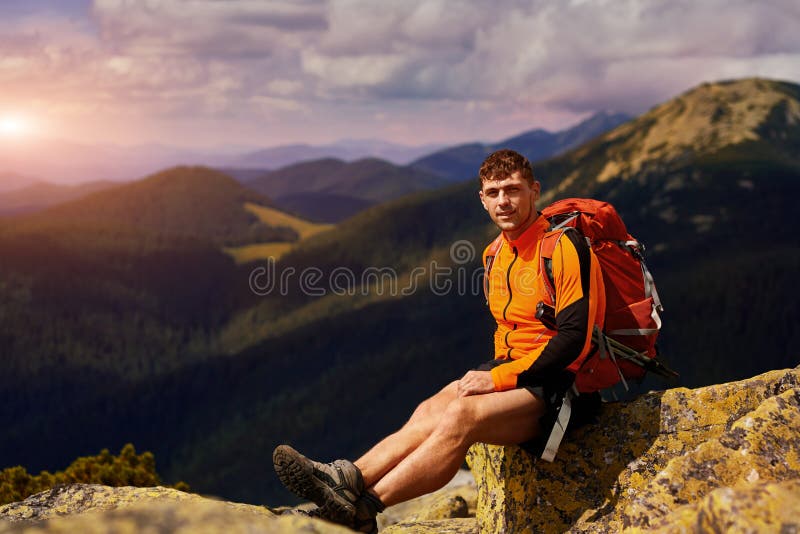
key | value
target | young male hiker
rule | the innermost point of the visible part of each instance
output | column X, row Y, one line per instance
column 514, row 398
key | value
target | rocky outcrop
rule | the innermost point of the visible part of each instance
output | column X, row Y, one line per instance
column 450, row 510
column 723, row 458
column 94, row 509
column 706, row 459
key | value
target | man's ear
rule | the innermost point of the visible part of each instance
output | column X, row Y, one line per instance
column 483, row 202
column 537, row 190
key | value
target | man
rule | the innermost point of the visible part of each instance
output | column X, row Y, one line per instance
column 512, row 399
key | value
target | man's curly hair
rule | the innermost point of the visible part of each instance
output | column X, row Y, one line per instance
column 503, row 163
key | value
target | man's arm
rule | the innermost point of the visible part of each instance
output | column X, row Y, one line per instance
column 576, row 307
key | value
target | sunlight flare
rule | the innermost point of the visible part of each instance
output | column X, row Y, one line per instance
column 14, row 126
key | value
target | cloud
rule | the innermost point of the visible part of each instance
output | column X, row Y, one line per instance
column 501, row 63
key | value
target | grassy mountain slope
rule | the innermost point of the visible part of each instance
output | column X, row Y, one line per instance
column 275, row 218
column 711, row 166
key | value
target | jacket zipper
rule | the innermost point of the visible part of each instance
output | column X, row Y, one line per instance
column 508, row 284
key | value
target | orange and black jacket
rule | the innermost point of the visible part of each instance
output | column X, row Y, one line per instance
column 515, row 286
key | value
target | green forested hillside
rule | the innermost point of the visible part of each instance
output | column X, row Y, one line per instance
column 707, row 181
column 128, row 282
column 323, row 207
column 183, row 202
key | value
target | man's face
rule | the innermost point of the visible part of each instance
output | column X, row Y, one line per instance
column 511, row 203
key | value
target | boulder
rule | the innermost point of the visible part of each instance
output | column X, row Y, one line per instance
column 691, row 457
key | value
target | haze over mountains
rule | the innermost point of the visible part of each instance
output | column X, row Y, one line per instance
column 325, row 190
column 172, row 347
column 22, row 163
column 40, row 195
column 348, row 150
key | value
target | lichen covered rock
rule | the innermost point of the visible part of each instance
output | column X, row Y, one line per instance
column 94, row 509
column 78, row 498
column 646, row 459
column 446, row 526
column 752, row 507
column 457, row 500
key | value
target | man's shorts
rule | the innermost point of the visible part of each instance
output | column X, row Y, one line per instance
column 585, row 407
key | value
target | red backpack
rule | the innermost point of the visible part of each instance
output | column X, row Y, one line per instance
column 627, row 344
column 626, row 348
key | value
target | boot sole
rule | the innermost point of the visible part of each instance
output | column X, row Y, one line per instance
column 296, row 472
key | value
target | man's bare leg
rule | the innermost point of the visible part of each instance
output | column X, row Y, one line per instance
column 502, row 418
column 384, row 456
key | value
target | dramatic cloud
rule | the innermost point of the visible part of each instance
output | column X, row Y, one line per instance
column 382, row 68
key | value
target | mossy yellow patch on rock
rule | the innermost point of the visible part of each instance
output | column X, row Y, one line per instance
column 761, row 446
column 759, row 507
column 646, row 458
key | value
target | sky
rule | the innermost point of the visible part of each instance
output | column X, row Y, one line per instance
column 213, row 73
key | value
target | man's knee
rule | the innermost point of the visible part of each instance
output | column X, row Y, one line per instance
column 458, row 419
column 435, row 406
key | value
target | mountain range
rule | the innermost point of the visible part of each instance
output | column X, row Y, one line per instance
column 330, row 190
column 348, row 150
column 462, row 162
column 324, row 183
column 67, row 162
column 315, row 188
column 184, row 352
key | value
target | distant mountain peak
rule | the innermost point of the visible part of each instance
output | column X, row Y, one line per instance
column 701, row 120
column 191, row 175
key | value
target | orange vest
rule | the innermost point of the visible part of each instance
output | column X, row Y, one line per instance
column 516, row 285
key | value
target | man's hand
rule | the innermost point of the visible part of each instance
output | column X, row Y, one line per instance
column 475, row 383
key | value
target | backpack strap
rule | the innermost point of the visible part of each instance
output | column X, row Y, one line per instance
column 560, row 426
column 488, row 261
column 546, row 249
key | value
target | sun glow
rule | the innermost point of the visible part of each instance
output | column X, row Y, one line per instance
column 14, row 126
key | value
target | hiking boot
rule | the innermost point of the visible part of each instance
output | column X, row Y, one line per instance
column 334, row 487
column 367, row 508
